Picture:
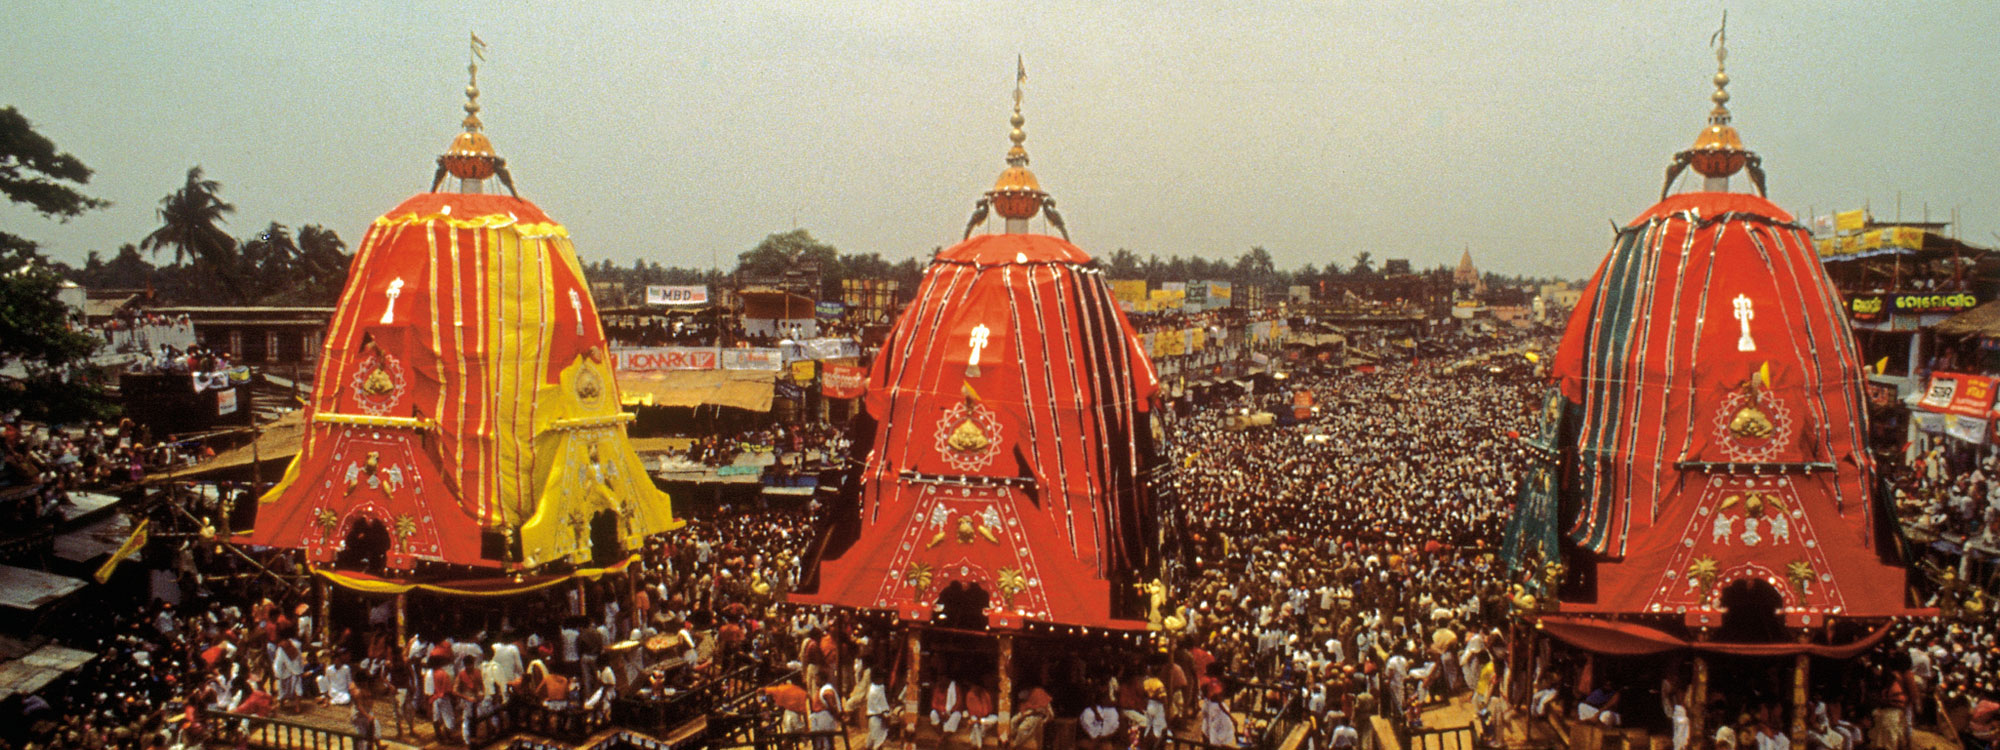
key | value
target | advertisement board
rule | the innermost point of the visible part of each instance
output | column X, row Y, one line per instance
column 843, row 381
column 768, row 360
column 663, row 358
column 676, row 295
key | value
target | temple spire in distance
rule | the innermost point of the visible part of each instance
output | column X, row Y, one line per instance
column 471, row 157
column 1718, row 150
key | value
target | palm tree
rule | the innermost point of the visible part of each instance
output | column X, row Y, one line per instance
column 189, row 219
column 324, row 260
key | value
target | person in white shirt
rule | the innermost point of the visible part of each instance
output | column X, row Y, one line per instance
column 506, row 663
column 1217, row 726
column 1100, row 723
column 878, row 714
column 947, row 707
column 336, row 684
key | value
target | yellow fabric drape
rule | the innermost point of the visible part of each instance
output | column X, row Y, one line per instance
column 370, row 586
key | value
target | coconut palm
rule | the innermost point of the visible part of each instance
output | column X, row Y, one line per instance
column 190, row 220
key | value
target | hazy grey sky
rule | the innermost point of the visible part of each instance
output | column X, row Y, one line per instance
column 686, row 131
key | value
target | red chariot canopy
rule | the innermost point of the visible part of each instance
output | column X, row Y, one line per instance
column 1012, row 449
column 1715, row 422
column 465, row 404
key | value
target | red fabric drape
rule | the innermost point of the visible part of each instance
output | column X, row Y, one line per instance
column 1623, row 638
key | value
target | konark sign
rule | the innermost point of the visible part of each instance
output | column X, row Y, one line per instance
column 1879, row 306
column 658, row 359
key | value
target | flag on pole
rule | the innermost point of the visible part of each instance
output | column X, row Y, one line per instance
column 478, row 46
column 128, row 549
column 1851, row 221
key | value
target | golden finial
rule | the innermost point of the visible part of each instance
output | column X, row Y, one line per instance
column 471, row 158
column 1720, row 115
column 1018, row 136
column 1016, row 196
column 1718, row 150
column 472, row 83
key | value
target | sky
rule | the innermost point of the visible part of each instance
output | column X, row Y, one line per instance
column 685, row 132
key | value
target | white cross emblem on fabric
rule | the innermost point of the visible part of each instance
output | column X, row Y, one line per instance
column 1743, row 316
column 979, row 334
column 389, row 310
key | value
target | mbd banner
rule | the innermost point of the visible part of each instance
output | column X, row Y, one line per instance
column 676, row 295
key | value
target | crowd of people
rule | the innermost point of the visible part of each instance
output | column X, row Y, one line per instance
column 1343, row 570
column 44, row 465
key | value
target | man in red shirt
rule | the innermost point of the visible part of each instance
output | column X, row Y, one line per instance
column 1983, row 726
column 444, row 701
column 979, row 706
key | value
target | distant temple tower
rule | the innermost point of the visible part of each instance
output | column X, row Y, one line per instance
column 1466, row 277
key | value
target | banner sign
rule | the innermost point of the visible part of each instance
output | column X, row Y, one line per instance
column 225, row 401
column 663, row 358
column 1848, row 221
column 1872, row 307
column 802, row 371
column 842, row 381
column 1218, row 295
column 676, row 295
column 1129, row 292
column 1968, row 429
column 825, row 348
column 1959, row 393
column 830, row 310
column 1933, row 303
column 1887, row 240
column 767, row 360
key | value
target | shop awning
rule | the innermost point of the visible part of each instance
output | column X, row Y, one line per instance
column 742, row 389
column 279, row 440
column 1983, row 320
column 28, row 590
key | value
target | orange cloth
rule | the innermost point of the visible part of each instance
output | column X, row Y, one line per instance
column 978, row 702
column 555, row 687
column 1035, row 699
column 789, row 697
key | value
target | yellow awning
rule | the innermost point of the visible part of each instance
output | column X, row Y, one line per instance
column 743, row 389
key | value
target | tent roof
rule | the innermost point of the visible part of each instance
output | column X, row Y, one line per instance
column 280, row 440
column 743, row 389
column 1983, row 320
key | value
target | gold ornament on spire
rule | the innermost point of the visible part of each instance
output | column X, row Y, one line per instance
column 1718, row 150
column 471, row 157
column 1017, row 194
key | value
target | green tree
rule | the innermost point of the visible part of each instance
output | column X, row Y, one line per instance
column 271, row 262
column 1256, row 268
column 190, row 223
column 45, row 368
column 323, row 265
column 1124, row 264
column 1363, row 264
column 786, row 251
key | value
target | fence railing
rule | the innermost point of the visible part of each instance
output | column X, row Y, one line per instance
column 270, row 732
